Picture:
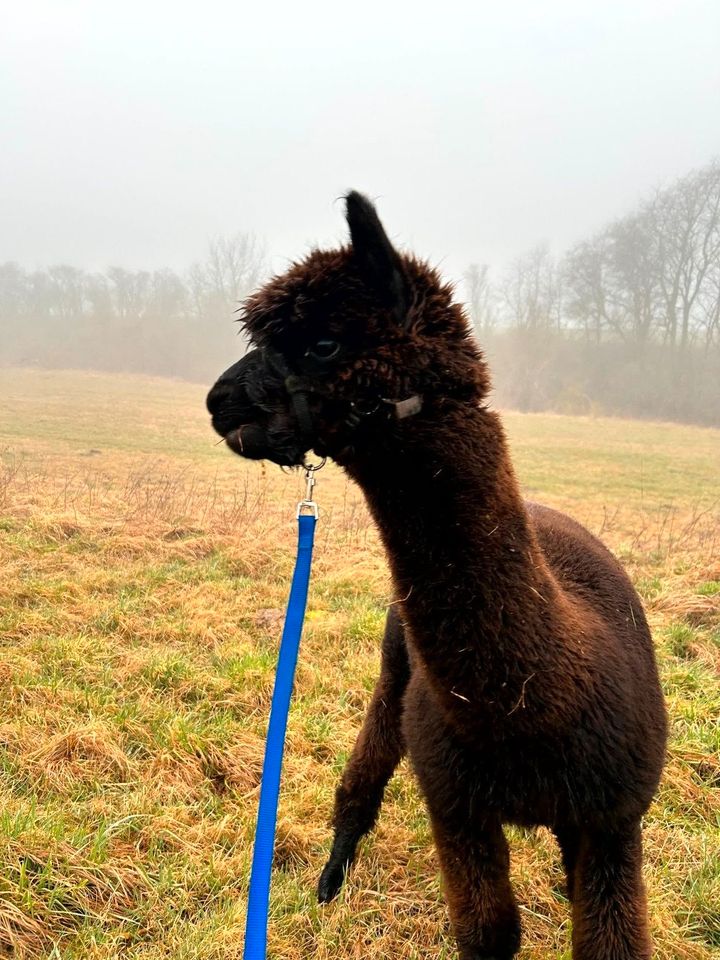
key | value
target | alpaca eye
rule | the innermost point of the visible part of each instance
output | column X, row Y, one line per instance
column 324, row 350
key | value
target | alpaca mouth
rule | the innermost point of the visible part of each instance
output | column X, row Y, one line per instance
column 250, row 440
column 234, row 439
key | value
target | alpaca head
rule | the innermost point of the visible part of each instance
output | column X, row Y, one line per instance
column 351, row 346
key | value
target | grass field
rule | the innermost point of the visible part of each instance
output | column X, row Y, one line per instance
column 144, row 572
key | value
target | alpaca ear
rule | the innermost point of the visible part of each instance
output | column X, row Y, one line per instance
column 379, row 262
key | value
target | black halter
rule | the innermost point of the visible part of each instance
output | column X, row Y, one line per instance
column 303, row 383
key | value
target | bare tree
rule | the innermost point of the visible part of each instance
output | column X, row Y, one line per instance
column 130, row 292
column 586, row 270
column 531, row 292
column 687, row 231
column 633, row 292
column 650, row 274
column 233, row 268
column 709, row 308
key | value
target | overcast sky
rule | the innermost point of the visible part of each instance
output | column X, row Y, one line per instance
column 133, row 132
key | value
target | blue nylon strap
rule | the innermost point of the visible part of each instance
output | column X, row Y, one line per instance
column 259, row 895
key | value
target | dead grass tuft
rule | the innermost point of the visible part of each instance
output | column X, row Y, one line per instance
column 50, row 888
column 297, row 844
column 86, row 753
column 698, row 611
column 237, row 768
column 20, row 934
column 176, row 776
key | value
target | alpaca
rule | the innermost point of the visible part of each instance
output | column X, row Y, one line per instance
column 518, row 670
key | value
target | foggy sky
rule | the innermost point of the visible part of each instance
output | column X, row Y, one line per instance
column 133, row 132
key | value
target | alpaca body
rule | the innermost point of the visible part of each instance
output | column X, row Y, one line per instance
column 530, row 694
column 517, row 670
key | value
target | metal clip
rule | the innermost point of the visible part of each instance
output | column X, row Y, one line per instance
column 308, row 503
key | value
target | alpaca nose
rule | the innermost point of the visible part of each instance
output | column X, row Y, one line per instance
column 226, row 390
column 229, row 407
column 220, row 396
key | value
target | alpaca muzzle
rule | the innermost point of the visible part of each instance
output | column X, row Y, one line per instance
column 250, row 410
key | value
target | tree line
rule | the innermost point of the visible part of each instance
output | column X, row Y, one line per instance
column 153, row 322
column 627, row 321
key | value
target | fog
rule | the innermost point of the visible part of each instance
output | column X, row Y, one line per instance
column 135, row 135
column 134, row 131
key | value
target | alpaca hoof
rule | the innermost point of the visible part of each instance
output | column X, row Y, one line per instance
column 331, row 881
column 506, row 951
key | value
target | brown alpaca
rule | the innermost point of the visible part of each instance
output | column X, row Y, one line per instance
column 518, row 670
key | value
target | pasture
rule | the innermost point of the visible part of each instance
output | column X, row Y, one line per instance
column 144, row 574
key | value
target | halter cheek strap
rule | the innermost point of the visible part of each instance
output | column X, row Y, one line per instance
column 300, row 391
column 299, row 387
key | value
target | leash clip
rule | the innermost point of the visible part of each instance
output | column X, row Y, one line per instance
column 308, row 504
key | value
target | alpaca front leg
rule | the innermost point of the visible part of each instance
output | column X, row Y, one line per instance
column 378, row 750
column 475, row 863
column 609, row 906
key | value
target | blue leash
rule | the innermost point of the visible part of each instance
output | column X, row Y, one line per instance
column 259, row 895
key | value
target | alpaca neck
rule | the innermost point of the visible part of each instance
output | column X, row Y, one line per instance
column 465, row 562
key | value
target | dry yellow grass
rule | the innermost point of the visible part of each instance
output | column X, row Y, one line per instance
column 144, row 575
